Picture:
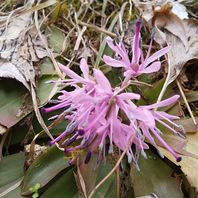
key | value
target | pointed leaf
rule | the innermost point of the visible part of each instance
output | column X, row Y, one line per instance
column 44, row 169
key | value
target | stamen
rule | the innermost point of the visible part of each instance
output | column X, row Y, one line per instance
column 88, row 157
column 178, row 158
column 110, row 149
column 69, row 141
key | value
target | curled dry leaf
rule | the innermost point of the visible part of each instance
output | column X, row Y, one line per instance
column 148, row 8
column 172, row 29
column 179, row 34
column 189, row 150
column 188, row 164
column 19, row 47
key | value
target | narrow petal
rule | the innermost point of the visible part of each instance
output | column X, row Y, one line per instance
column 113, row 62
column 110, row 43
column 99, row 116
column 155, row 56
column 120, row 50
column 70, row 73
column 154, row 67
column 168, row 148
column 166, row 116
column 144, row 115
column 136, row 43
column 102, row 80
column 163, row 103
column 84, row 68
column 129, row 96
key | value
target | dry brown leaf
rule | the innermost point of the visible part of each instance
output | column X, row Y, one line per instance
column 180, row 35
column 164, row 18
column 147, row 8
column 188, row 164
column 19, row 48
column 180, row 55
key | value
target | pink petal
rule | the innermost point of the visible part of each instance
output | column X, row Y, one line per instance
column 163, row 103
column 154, row 67
column 97, row 118
column 102, row 80
column 113, row 62
column 155, row 56
column 166, row 115
column 109, row 41
column 84, row 68
column 168, row 148
column 136, row 43
column 129, row 96
column 119, row 49
column 70, row 73
column 144, row 115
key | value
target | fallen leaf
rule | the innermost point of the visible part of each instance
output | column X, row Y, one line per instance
column 19, row 47
column 181, row 55
column 174, row 30
column 188, row 125
column 147, row 8
column 188, row 163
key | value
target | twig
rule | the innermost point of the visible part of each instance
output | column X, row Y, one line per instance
column 136, row 82
column 39, row 117
column 81, row 180
column 96, row 28
column 46, row 46
column 186, row 102
column 114, row 168
column 118, row 181
column 38, row 114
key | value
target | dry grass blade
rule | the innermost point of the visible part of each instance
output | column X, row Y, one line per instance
column 103, row 44
column 186, row 103
column 46, row 46
column 114, row 168
column 38, row 114
column 81, row 182
column 97, row 28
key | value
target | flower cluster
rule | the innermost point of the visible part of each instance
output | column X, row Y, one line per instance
column 100, row 115
column 139, row 64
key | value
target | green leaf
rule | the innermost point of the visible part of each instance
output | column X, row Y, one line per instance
column 64, row 186
column 11, row 173
column 47, row 67
column 44, row 169
column 56, row 39
column 11, row 168
column 11, row 94
column 93, row 174
column 155, row 176
column 44, row 89
column 15, row 193
column 15, row 102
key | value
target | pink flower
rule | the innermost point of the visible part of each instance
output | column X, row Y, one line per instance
column 148, row 117
column 99, row 114
column 138, row 64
